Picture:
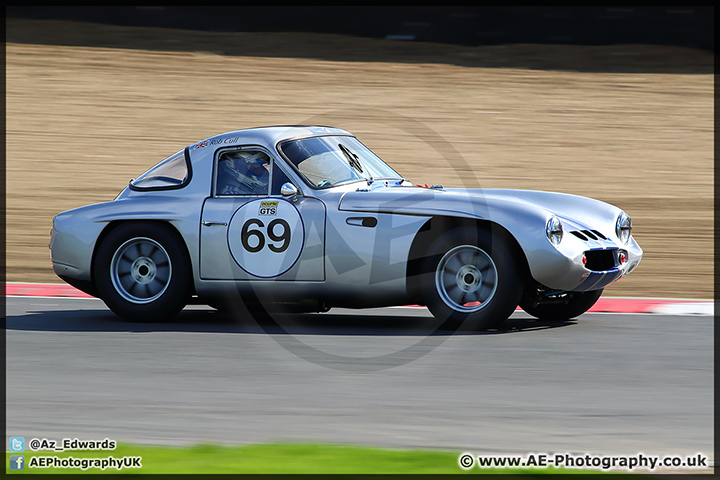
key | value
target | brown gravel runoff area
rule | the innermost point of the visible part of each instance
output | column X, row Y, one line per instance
column 89, row 107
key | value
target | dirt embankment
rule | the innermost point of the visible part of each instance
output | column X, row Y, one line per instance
column 90, row 106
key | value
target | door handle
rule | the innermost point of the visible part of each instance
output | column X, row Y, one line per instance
column 210, row 224
column 370, row 222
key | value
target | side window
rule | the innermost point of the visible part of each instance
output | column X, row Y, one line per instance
column 172, row 172
column 243, row 172
column 278, row 180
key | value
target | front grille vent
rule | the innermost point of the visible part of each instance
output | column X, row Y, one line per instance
column 600, row 260
column 590, row 234
column 585, row 234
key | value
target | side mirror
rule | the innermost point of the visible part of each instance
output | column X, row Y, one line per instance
column 289, row 190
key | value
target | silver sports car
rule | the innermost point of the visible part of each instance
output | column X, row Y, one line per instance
column 308, row 217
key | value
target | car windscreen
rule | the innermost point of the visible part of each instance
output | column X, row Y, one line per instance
column 333, row 160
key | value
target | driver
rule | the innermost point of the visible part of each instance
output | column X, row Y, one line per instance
column 243, row 173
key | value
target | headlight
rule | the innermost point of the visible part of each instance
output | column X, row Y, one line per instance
column 623, row 227
column 554, row 230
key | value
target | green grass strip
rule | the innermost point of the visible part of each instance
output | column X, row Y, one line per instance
column 273, row 459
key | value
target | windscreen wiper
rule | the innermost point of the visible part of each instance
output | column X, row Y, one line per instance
column 354, row 161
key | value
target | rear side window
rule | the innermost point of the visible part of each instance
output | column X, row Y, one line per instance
column 173, row 172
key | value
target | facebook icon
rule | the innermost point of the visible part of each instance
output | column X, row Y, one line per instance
column 17, row 462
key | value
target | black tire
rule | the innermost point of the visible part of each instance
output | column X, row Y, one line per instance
column 470, row 279
column 142, row 272
column 577, row 304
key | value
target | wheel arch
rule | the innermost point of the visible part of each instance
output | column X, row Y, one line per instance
column 111, row 226
column 436, row 226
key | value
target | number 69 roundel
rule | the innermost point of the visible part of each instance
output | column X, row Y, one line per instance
column 266, row 237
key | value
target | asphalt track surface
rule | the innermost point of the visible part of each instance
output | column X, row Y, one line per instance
column 601, row 384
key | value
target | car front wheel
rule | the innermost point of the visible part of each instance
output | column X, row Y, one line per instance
column 142, row 272
column 471, row 280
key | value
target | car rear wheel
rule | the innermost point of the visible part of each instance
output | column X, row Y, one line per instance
column 142, row 272
column 471, row 280
column 574, row 305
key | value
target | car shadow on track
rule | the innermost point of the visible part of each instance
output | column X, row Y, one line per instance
column 381, row 322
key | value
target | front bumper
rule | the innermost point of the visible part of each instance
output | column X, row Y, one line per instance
column 564, row 269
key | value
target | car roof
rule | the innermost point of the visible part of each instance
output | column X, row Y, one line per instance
column 270, row 135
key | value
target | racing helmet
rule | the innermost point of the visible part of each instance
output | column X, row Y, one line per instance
column 255, row 161
column 233, row 160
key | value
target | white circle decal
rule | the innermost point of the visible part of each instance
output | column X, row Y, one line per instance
column 266, row 237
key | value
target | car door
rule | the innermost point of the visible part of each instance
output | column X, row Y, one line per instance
column 249, row 231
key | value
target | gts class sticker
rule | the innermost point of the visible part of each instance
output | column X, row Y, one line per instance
column 266, row 237
column 268, row 207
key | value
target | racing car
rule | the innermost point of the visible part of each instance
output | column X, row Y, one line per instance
column 308, row 216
